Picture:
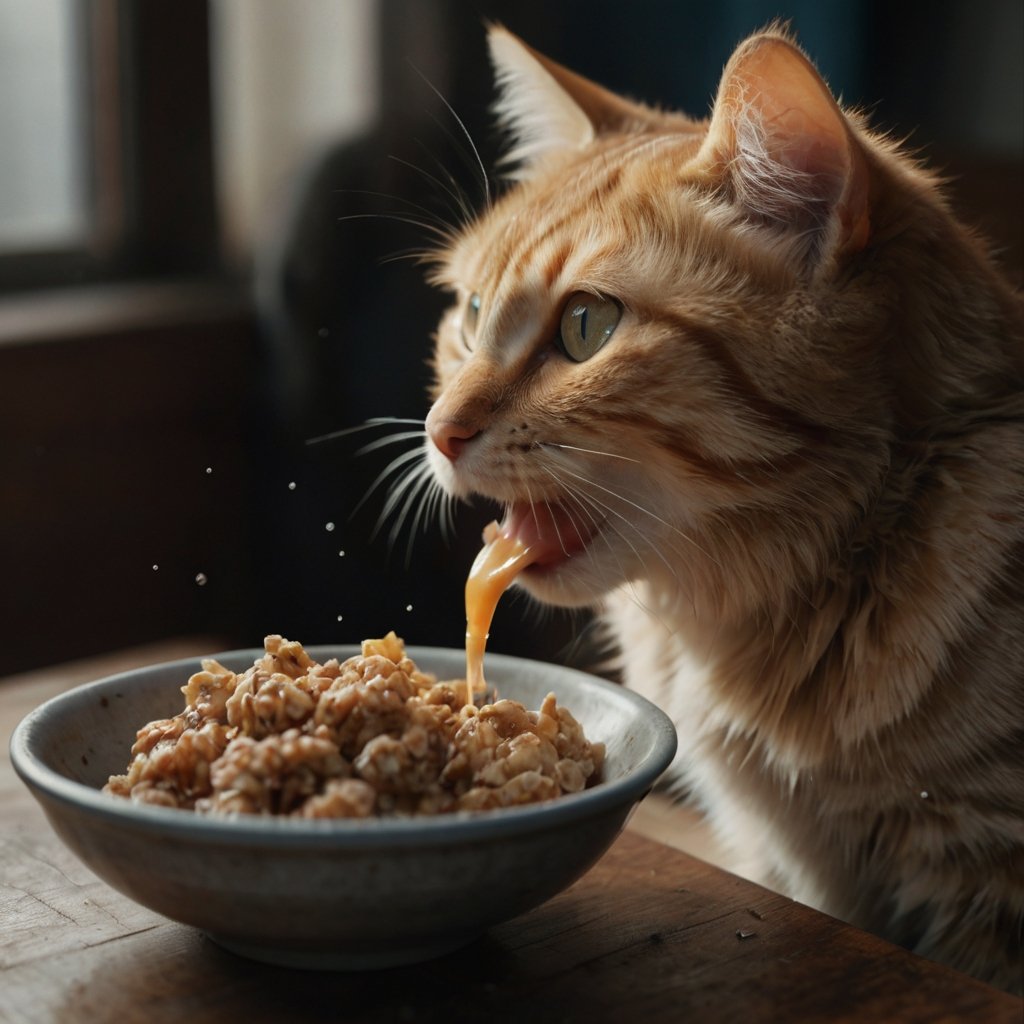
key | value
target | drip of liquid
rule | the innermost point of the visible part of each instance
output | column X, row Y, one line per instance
column 500, row 560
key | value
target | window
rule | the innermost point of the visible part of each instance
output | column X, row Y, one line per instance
column 43, row 201
column 106, row 167
column 149, row 137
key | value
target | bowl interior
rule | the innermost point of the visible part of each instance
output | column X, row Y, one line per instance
column 84, row 736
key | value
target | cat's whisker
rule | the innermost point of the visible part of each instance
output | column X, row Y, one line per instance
column 586, row 508
column 376, row 421
column 414, row 499
column 451, row 504
column 485, row 180
column 465, row 212
column 452, row 193
column 416, row 255
column 587, row 451
column 436, row 509
column 382, row 442
column 443, row 234
column 558, row 532
column 533, row 507
column 439, row 509
column 430, row 511
column 403, row 494
column 442, row 231
column 412, row 485
column 392, row 467
column 418, row 208
column 442, row 511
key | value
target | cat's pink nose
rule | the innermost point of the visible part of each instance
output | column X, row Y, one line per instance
column 449, row 437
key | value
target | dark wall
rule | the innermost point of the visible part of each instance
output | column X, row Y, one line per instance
column 124, row 437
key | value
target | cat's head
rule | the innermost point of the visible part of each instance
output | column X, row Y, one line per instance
column 655, row 358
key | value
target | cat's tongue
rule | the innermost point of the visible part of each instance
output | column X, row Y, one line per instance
column 549, row 532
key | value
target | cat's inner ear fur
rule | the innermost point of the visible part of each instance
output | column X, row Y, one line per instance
column 546, row 107
column 785, row 152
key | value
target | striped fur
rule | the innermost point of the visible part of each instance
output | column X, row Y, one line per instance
column 803, row 454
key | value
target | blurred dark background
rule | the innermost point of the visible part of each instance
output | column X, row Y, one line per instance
column 165, row 364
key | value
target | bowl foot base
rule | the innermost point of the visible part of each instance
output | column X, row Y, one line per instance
column 334, row 960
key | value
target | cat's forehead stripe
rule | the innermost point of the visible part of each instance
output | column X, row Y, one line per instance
column 591, row 187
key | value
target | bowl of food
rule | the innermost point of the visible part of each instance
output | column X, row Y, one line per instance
column 341, row 807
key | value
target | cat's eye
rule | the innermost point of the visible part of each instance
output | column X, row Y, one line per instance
column 588, row 321
column 470, row 318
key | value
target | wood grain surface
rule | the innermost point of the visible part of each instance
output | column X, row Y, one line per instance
column 649, row 934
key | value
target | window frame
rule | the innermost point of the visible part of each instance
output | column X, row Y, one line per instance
column 149, row 161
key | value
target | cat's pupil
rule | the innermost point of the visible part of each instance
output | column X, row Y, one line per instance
column 581, row 313
column 470, row 320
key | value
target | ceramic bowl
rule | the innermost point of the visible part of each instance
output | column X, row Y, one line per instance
column 334, row 894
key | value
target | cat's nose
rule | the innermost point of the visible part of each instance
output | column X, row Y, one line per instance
column 450, row 437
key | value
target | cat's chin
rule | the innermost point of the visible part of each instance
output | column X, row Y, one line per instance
column 571, row 583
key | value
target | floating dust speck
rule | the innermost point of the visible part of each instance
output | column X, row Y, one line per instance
column 155, row 567
column 209, row 470
column 323, row 332
column 201, row 579
column 340, row 617
column 408, row 607
column 341, row 554
column 291, row 485
column 924, row 794
column 329, row 527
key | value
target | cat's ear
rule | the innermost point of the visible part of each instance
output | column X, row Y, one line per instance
column 785, row 151
column 545, row 107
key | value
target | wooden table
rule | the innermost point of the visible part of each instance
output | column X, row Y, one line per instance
column 648, row 935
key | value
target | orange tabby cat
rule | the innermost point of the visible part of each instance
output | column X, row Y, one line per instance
column 749, row 385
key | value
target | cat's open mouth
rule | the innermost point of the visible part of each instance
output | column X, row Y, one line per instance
column 551, row 532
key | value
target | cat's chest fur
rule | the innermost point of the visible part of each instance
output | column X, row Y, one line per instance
column 867, row 833
column 716, row 768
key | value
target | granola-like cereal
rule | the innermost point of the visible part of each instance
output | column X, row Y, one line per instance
column 367, row 737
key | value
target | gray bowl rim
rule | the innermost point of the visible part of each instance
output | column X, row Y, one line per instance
column 428, row 830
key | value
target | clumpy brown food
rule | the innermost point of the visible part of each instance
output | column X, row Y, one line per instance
column 372, row 735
